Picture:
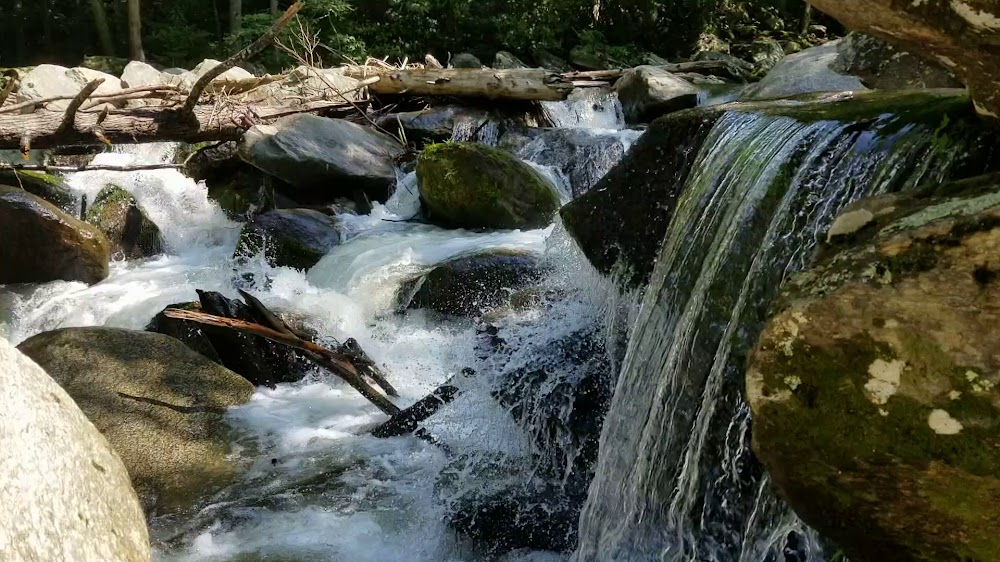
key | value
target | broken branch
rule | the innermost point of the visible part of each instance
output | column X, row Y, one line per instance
column 70, row 117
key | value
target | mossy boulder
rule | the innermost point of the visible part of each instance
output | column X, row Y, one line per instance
column 875, row 386
column 465, row 185
column 296, row 238
column 129, row 230
column 40, row 243
column 471, row 285
column 51, row 188
column 160, row 405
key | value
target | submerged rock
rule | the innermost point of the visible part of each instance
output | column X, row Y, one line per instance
column 809, row 70
column 324, row 157
column 40, row 243
column 51, row 188
column 889, row 339
column 465, row 185
column 646, row 92
column 296, row 238
column 159, row 404
column 65, row 493
column 118, row 215
column 881, row 66
column 962, row 36
column 473, row 285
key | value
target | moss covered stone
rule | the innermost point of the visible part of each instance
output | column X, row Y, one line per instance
column 120, row 217
column 465, row 185
column 875, row 387
column 51, row 188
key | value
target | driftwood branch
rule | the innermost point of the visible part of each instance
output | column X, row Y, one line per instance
column 247, row 52
column 70, row 116
column 319, row 354
column 518, row 83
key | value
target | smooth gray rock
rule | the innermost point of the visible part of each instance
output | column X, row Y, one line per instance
column 64, row 492
column 646, row 92
column 323, row 157
column 807, row 71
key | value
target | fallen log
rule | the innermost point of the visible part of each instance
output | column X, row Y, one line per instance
column 317, row 353
column 515, row 84
column 408, row 420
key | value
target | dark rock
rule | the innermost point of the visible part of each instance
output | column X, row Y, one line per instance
column 646, row 92
column 505, row 60
column 118, row 215
column 549, row 61
column 465, row 60
column 40, row 243
column 434, row 124
column 51, row 188
column 296, row 238
column 324, row 158
column 189, row 333
column 582, row 155
column 881, row 66
column 464, row 185
column 471, row 286
column 159, row 404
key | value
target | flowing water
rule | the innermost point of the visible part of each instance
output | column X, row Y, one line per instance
column 676, row 479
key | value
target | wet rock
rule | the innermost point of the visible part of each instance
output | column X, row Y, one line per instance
column 809, row 70
column 59, row 469
column 40, row 243
column 549, row 61
column 323, row 157
column 108, row 65
column 961, row 36
column 159, row 404
column 583, row 156
column 765, row 55
column 881, row 66
column 465, row 60
column 257, row 359
column 505, row 60
column 296, row 238
column 434, row 124
column 912, row 377
column 465, row 185
column 129, row 230
column 49, row 80
column 471, row 286
column 50, row 188
column 238, row 188
column 646, row 92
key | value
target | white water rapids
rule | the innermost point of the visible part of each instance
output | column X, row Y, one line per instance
column 369, row 499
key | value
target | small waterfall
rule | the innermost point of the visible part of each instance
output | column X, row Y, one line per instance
column 676, row 479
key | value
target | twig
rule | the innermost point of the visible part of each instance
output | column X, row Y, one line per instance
column 248, row 51
column 7, row 89
column 129, row 93
column 322, row 356
column 74, row 105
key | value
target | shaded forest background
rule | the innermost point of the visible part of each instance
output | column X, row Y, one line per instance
column 183, row 32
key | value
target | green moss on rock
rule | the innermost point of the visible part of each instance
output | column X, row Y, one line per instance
column 120, row 217
column 51, row 188
column 465, row 185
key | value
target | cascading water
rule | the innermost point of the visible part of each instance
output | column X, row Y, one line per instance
column 676, row 479
column 318, row 487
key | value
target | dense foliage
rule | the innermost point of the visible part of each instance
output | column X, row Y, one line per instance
column 182, row 32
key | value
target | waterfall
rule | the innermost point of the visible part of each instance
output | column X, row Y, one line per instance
column 676, row 479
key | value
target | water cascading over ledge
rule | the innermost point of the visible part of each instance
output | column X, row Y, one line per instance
column 676, row 479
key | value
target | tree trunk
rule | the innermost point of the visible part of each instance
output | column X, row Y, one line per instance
column 135, row 51
column 518, row 83
column 102, row 26
column 274, row 8
column 235, row 16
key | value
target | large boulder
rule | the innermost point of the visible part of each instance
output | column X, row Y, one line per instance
column 51, row 188
column 296, row 238
column 233, row 78
column 137, row 74
column 646, row 92
column 40, row 243
column 49, row 80
column 65, row 493
column 160, row 405
column 875, row 387
column 882, row 66
column 960, row 35
column 472, row 285
column 465, row 185
column 466, row 60
column 118, row 215
column 583, row 156
column 809, row 70
column 324, row 157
